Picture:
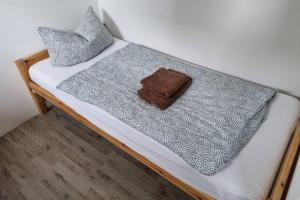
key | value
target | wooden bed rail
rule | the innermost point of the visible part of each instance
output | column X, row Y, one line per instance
column 40, row 95
column 281, row 183
column 23, row 66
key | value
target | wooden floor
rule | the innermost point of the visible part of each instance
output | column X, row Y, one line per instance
column 54, row 157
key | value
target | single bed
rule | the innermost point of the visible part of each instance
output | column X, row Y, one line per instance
column 240, row 181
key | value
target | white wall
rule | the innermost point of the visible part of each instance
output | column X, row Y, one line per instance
column 258, row 40
column 19, row 20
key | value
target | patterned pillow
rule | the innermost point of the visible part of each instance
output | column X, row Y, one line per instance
column 70, row 48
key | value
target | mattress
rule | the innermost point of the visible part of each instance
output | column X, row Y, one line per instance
column 249, row 176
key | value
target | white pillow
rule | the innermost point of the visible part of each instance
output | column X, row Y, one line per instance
column 70, row 48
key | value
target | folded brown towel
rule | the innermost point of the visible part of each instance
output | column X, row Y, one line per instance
column 165, row 82
column 162, row 103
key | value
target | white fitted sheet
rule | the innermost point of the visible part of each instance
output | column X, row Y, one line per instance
column 248, row 177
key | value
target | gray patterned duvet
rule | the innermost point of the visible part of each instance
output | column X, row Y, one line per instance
column 207, row 126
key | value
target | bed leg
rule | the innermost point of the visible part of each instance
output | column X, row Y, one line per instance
column 39, row 101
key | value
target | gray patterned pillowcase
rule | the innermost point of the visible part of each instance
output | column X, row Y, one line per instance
column 70, row 48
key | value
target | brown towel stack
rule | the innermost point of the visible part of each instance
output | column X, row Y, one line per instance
column 164, row 87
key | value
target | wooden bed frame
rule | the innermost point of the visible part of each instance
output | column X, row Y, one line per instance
column 40, row 95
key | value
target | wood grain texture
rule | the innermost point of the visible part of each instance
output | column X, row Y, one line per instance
column 280, row 183
column 34, row 58
column 23, row 66
column 55, row 157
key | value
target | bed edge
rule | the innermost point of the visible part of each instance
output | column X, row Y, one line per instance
column 281, row 182
column 23, row 65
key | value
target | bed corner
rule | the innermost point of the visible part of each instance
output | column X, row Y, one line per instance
column 23, row 65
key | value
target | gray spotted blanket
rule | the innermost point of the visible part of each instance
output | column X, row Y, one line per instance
column 207, row 126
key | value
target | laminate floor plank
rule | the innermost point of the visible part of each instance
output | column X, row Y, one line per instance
column 54, row 157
